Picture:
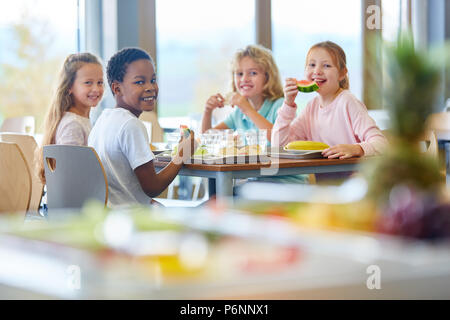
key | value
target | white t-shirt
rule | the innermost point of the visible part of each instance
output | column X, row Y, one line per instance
column 122, row 143
column 73, row 129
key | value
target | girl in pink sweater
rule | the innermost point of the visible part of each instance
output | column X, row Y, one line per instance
column 335, row 117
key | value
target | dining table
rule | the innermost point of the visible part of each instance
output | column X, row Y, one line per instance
column 225, row 173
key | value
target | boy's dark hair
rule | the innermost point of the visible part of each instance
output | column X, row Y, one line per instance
column 117, row 65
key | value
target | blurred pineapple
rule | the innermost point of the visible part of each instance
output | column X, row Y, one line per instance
column 410, row 93
column 405, row 183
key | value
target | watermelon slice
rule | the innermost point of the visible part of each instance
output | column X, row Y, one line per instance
column 307, row 86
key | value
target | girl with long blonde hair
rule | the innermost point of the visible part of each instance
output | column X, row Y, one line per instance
column 80, row 87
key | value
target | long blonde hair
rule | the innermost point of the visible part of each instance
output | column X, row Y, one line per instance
column 262, row 57
column 62, row 100
column 338, row 55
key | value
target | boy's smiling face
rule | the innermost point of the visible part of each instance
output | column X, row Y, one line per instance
column 138, row 90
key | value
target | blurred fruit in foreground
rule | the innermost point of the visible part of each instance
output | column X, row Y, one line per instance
column 401, row 164
column 416, row 214
column 359, row 215
column 410, row 93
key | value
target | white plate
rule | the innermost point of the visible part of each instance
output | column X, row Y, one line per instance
column 302, row 151
column 285, row 155
column 155, row 152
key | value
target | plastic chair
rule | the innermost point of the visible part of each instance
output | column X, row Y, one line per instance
column 439, row 121
column 157, row 132
column 431, row 144
column 381, row 118
column 19, row 124
column 15, row 179
column 28, row 146
column 74, row 174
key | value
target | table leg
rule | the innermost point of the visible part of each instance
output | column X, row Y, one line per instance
column 211, row 187
column 447, row 163
column 224, row 184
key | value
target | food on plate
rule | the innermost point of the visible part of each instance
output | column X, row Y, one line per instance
column 152, row 147
column 307, row 86
column 249, row 150
column 305, row 145
column 228, row 151
column 201, row 151
column 243, row 151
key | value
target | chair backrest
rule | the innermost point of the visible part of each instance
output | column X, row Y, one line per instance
column 148, row 127
column 28, row 146
column 381, row 118
column 431, row 144
column 74, row 176
column 157, row 131
column 18, row 124
column 439, row 121
column 15, row 179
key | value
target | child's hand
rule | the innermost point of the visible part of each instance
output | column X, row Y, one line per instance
column 241, row 102
column 187, row 147
column 290, row 91
column 343, row 151
column 215, row 101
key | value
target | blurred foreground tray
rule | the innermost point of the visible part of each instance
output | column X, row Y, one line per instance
column 251, row 257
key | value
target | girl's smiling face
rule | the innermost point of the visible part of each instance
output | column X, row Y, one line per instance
column 87, row 89
column 321, row 68
column 138, row 90
column 249, row 78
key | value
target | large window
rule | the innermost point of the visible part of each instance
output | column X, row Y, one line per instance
column 195, row 43
column 299, row 24
column 393, row 15
column 35, row 37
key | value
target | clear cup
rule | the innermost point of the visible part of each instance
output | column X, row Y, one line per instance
column 251, row 137
column 172, row 139
column 206, row 139
column 214, row 140
column 262, row 139
column 239, row 138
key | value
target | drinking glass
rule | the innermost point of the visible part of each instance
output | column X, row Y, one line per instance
column 206, row 139
column 172, row 139
column 214, row 140
column 239, row 138
column 251, row 137
column 262, row 139
column 28, row 129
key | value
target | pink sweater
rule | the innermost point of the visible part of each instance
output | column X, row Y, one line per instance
column 344, row 121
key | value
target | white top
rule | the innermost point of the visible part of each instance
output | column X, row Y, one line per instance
column 122, row 143
column 73, row 129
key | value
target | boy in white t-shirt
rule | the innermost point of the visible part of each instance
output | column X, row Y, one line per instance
column 121, row 139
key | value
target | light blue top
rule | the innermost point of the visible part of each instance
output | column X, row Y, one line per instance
column 269, row 110
column 238, row 120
